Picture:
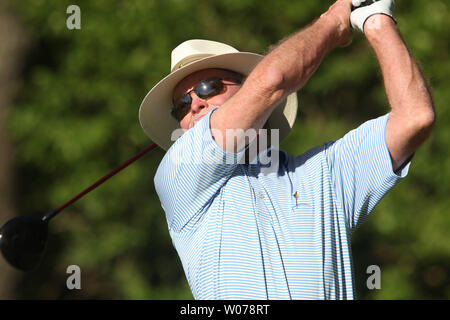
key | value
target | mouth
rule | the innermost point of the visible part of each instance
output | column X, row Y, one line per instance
column 194, row 122
column 205, row 112
column 198, row 119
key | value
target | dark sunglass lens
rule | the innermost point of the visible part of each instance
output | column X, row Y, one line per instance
column 181, row 111
column 181, row 107
column 209, row 88
column 204, row 89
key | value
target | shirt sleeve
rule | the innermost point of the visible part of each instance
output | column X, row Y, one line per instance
column 191, row 173
column 361, row 169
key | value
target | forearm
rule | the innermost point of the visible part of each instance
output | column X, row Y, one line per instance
column 405, row 85
column 295, row 59
column 283, row 71
column 412, row 113
column 286, row 69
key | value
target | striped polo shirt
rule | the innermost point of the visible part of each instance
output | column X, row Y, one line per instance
column 242, row 233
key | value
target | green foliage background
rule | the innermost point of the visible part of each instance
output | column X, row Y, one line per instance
column 76, row 118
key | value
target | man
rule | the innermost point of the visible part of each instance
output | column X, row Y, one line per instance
column 284, row 234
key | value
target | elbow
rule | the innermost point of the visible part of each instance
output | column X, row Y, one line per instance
column 270, row 85
column 428, row 119
column 425, row 122
column 275, row 80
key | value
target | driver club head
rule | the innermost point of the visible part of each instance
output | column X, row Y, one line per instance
column 22, row 241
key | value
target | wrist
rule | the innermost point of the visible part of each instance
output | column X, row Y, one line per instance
column 339, row 31
column 377, row 25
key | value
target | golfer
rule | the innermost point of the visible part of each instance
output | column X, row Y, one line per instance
column 243, row 232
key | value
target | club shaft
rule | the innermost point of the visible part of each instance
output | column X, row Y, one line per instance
column 54, row 212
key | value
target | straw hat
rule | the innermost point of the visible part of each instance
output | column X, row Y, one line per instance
column 192, row 56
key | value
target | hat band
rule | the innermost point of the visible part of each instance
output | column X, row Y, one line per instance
column 188, row 60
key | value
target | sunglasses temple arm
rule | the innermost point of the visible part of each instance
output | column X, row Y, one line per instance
column 54, row 212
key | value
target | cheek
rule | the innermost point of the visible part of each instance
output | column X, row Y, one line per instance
column 184, row 123
column 232, row 90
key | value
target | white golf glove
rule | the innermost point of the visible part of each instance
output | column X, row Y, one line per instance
column 363, row 9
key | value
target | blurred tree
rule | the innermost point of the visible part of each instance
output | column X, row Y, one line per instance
column 13, row 45
column 77, row 117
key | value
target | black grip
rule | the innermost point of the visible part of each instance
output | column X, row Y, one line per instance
column 365, row 4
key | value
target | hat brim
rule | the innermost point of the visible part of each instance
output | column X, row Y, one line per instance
column 154, row 112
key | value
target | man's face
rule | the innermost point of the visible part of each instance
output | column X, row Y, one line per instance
column 200, row 107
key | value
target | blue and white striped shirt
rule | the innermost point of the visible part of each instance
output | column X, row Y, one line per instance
column 241, row 234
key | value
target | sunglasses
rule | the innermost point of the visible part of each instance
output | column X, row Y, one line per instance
column 205, row 89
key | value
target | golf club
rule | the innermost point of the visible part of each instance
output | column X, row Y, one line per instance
column 23, row 239
column 364, row 4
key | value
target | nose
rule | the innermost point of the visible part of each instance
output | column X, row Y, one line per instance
column 197, row 103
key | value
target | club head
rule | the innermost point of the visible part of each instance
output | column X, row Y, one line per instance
column 22, row 241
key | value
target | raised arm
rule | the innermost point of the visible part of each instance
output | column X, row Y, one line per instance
column 412, row 113
column 283, row 71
